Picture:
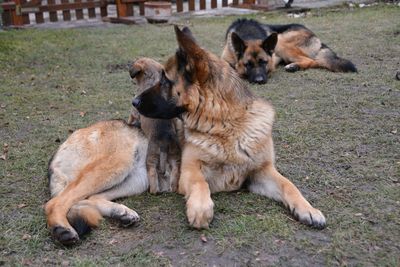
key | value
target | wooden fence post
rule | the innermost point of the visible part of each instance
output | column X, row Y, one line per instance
column 17, row 18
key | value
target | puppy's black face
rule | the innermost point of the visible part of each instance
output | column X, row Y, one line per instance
column 158, row 102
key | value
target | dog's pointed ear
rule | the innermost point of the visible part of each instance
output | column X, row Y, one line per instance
column 191, row 56
column 134, row 69
column 270, row 43
column 238, row 44
column 187, row 42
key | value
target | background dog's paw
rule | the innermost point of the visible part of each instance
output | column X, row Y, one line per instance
column 199, row 212
column 292, row 67
column 64, row 235
column 126, row 216
column 310, row 216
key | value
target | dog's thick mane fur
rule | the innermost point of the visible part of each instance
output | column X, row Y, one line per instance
column 227, row 93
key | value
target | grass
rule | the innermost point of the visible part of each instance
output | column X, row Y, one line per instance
column 337, row 137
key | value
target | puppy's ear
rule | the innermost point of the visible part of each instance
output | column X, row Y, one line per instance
column 191, row 57
column 238, row 44
column 270, row 43
column 135, row 69
column 164, row 79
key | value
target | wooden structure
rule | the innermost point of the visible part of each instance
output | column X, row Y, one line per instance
column 20, row 12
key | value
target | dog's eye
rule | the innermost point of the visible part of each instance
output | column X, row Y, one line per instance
column 249, row 64
column 262, row 62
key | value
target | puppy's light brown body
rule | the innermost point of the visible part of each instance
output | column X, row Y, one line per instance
column 164, row 152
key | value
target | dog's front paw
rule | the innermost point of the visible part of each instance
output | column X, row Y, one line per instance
column 66, row 236
column 309, row 216
column 126, row 216
column 292, row 67
column 199, row 211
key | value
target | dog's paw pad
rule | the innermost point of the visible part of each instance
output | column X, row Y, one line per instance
column 65, row 236
column 292, row 67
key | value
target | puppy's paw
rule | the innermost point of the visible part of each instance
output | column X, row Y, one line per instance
column 66, row 236
column 292, row 67
column 126, row 216
column 309, row 216
column 199, row 211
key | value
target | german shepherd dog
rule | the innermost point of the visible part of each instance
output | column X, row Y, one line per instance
column 164, row 152
column 254, row 50
column 95, row 165
column 228, row 133
column 102, row 162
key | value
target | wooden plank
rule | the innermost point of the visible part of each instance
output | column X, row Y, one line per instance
column 53, row 14
column 66, row 13
column 224, row 3
column 129, row 10
column 179, row 6
column 191, row 5
column 39, row 17
column 79, row 11
column 6, row 17
column 69, row 6
column 91, row 10
column 213, row 4
column 202, row 4
column 235, row 2
column 141, row 8
column 8, row 5
column 25, row 17
column 103, row 9
column 121, row 8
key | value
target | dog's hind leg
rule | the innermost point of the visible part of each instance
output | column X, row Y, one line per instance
column 98, row 176
column 100, row 205
column 269, row 182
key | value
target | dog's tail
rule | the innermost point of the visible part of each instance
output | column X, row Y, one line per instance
column 328, row 59
column 83, row 218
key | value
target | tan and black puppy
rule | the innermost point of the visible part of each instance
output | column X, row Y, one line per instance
column 228, row 133
column 254, row 50
column 164, row 152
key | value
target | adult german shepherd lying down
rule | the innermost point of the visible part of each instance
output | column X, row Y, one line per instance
column 95, row 165
column 254, row 50
column 228, row 133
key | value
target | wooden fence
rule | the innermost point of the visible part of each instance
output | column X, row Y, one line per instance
column 17, row 12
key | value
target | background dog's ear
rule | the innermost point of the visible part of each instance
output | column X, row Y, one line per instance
column 191, row 56
column 238, row 44
column 270, row 43
column 134, row 70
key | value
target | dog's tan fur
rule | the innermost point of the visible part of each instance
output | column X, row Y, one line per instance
column 228, row 135
column 93, row 166
column 297, row 46
column 164, row 152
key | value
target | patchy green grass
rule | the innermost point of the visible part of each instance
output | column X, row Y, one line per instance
column 337, row 137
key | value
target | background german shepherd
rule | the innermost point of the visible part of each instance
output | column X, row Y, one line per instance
column 228, row 133
column 255, row 49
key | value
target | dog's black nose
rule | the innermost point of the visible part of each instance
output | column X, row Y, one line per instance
column 136, row 102
column 260, row 79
